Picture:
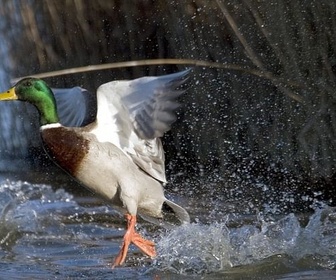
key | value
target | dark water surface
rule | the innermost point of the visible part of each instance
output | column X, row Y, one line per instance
column 46, row 232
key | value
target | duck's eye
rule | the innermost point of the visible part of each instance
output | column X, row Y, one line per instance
column 28, row 84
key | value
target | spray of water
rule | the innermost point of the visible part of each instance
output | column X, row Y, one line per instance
column 201, row 248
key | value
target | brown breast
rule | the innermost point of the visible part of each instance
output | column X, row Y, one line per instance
column 66, row 147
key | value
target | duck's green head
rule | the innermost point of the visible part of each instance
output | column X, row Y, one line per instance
column 38, row 93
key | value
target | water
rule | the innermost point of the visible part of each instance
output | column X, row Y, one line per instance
column 49, row 233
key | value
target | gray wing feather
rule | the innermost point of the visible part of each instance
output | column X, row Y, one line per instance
column 76, row 106
column 151, row 102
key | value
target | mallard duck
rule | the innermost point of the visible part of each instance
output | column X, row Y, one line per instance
column 119, row 156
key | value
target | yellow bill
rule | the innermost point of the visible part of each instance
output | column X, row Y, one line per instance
column 8, row 95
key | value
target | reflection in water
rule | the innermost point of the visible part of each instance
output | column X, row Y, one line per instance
column 56, row 234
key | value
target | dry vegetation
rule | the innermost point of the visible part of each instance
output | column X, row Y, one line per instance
column 276, row 108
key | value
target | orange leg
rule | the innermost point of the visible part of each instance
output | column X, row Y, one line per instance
column 131, row 236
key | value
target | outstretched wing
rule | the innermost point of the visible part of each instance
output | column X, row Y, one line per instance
column 151, row 103
column 76, row 106
column 133, row 114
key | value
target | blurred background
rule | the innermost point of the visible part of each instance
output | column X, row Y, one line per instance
column 251, row 157
column 263, row 111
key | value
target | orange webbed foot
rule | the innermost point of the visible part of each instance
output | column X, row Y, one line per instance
column 131, row 236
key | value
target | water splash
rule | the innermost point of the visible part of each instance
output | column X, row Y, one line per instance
column 195, row 248
column 201, row 248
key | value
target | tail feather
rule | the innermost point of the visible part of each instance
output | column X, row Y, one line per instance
column 180, row 212
column 172, row 213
